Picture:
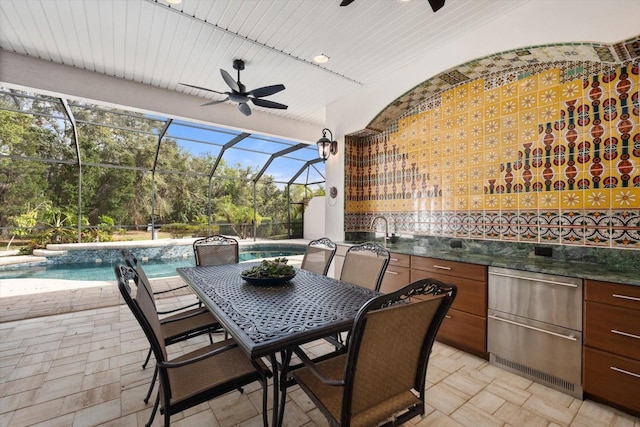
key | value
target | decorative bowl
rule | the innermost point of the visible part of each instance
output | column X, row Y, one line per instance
column 267, row 281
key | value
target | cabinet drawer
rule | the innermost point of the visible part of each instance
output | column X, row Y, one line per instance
column 465, row 331
column 614, row 329
column 612, row 378
column 471, row 296
column 452, row 268
column 395, row 278
column 613, row 293
column 400, row 260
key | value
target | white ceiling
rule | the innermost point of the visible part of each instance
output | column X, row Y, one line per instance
column 151, row 42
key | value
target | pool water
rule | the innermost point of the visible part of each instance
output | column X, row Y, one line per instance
column 91, row 271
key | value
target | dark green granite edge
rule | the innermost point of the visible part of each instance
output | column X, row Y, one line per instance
column 604, row 264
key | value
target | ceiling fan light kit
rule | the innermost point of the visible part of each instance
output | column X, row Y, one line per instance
column 239, row 93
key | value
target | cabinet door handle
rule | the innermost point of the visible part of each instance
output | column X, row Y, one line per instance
column 391, row 272
column 447, row 316
column 533, row 328
column 533, row 279
column 622, row 371
column 625, row 297
column 394, row 259
column 441, row 267
column 626, row 334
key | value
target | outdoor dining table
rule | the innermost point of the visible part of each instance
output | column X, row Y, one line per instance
column 267, row 321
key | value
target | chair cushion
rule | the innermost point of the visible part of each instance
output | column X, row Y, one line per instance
column 330, row 397
column 220, row 370
column 189, row 321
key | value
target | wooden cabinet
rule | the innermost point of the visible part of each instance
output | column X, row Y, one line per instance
column 398, row 273
column 612, row 344
column 465, row 326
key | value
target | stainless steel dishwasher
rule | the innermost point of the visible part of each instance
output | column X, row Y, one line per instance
column 535, row 327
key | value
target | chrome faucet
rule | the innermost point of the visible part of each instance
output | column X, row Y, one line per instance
column 386, row 226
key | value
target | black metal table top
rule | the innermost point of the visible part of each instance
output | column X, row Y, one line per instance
column 264, row 320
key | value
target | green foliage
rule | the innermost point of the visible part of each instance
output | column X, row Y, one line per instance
column 120, row 195
column 179, row 230
column 270, row 268
column 25, row 221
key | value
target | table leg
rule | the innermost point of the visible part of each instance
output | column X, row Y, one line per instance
column 284, row 372
column 276, row 394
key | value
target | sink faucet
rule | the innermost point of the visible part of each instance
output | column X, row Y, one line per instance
column 386, row 227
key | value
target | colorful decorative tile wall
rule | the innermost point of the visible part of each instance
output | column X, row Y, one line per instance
column 542, row 158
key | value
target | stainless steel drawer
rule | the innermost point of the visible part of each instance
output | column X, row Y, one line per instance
column 542, row 352
column 556, row 300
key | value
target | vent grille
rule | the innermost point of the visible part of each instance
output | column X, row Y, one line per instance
column 539, row 375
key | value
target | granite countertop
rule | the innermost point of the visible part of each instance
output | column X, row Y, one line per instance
column 533, row 263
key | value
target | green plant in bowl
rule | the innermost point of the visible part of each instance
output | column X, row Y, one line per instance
column 275, row 268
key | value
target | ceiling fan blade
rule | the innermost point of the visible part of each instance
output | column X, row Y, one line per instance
column 436, row 5
column 346, row 2
column 229, row 80
column 203, row 88
column 244, row 108
column 266, row 91
column 268, row 104
column 215, row 102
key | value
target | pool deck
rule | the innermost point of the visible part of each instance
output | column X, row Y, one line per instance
column 18, row 299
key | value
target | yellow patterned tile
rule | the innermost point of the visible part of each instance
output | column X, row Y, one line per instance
column 572, row 200
column 527, row 85
column 548, row 78
column 548, row 96
column 597, row 198
column 549, row 200
column 527, row 133
column 476, row 188
column 461, row 203
column 508, row 202
column 461, row 176
column 476, row 116
column 476, row 202
column 570, row 90
column 461, row 120
column 492, row 126
column 549, row 113
column 492, row 96
column 528, row 101
column 528, row 201
column 626, row 198
column 491, row 112
column 447, row 97
column 509, row 91
column 509, row 122
column 509, row 106
column 476, row 171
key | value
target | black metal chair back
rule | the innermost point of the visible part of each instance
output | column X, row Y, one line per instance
column 216, row 250
column 318, row 256
column 365, row 264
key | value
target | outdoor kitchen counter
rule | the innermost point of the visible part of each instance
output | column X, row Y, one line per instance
column 595, row 269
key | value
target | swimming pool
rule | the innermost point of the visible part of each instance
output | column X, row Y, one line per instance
column 155, row 268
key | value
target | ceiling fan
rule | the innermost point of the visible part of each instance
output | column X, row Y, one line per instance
column 240, row 94
column 435, row 4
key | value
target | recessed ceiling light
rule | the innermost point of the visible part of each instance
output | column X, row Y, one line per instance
column 320, row 59
column 174, row 1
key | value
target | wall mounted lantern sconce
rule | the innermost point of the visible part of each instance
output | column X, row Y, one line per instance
column 326, row 146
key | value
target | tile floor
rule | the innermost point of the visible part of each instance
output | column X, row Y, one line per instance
column 80, row 365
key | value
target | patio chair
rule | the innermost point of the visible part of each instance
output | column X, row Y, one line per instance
column 365, row 264
column 216, row 250
column 195, row 377
column 381, row 378
column 182, row 323
column 318, row 256
column 132, row 261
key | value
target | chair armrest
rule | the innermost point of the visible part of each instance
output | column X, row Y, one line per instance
column 182, row 316
column 197, row 358
column 179, row 309
column 312, row 367
column 169, row 290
